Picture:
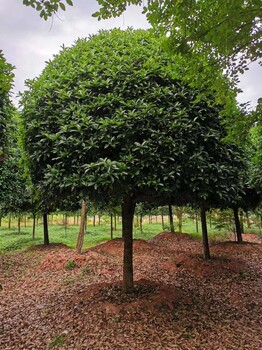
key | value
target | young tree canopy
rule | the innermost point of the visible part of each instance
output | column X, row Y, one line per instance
column 111, row 118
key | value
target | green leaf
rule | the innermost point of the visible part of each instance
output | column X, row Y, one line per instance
column 69, row 2
column 62, row 6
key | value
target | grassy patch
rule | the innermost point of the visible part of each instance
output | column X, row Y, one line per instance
column 11, row 240
column 57, row 341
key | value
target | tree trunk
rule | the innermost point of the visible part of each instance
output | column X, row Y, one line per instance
column 204, row 234
column 80, row 239
column 196, row 222
column 162, row 220
column 179, row 215
column 65, row 222
column 171, row 221
column 111, row 226
column 33, row 234
column 141, row 223
column 9, row 221
column 238, row 225
column 128, row 209
column 46, row 235
column 94, row 220
column 19, row 223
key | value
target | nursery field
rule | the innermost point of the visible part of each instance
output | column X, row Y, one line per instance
column 53, row 298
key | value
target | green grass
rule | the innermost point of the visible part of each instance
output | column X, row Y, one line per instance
column 10, row 240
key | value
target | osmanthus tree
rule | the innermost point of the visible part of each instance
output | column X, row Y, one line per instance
column 6, row 109
column 111, row 119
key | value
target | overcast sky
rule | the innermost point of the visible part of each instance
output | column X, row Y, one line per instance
column 28, row 41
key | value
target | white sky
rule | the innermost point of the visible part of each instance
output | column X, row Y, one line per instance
column 27, row 41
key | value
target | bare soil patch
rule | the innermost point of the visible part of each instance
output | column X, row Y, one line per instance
column 53, row 298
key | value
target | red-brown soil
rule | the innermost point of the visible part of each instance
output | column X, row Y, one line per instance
column 53, row 298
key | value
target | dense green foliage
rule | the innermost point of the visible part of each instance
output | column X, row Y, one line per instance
column 111, row 119
column 47, row 7
column 256, row 149
column 112, row 116
column 13, row 190
column 14, row 194
column 6, row 110
column 230, row 31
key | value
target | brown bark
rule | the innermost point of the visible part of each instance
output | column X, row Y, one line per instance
column 179, row 214
column 80, row 239
column 163, row 223
column 204, row 234
column 171, row 220
column 33, row 233
column 196, row 222
column 238, row 225
column 128, row 209
column 111, row 226
column 19, row 223
column 45, row 223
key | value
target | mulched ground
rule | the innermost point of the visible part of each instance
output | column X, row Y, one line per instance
column 52, row 298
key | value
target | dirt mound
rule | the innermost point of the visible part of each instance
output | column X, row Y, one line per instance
column 234, row 247
column 116, row 246
column 51, row 246
column 169, row 237
column 147, row 296
column 218, row 266
column 69, row 259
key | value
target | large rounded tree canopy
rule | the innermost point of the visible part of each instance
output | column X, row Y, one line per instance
column 111, row 117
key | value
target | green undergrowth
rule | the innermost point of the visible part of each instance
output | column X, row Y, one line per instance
column 11, row 240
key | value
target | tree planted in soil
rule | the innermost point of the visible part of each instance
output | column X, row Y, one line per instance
column 111, row 119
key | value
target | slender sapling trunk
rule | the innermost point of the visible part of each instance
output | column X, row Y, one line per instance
column 171, row 220
column 204, row 234
column 128, row 209
column 45, row 223
column 80, row 239
column 238, row 225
